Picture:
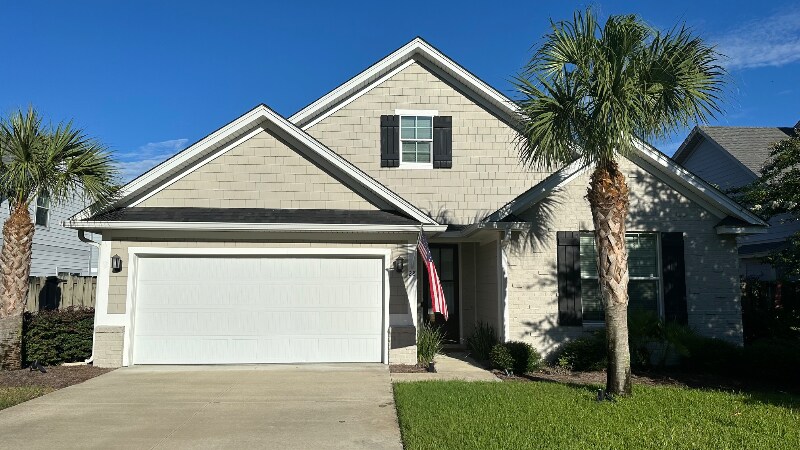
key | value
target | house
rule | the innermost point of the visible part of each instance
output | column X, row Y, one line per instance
column 731, row 157
column 279, row 239
column 57, row 251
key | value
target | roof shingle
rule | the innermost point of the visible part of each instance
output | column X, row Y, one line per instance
column 750, row 145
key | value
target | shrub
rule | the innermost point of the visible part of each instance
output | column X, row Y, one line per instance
column 583, row 354
column 429, row 343
column 775, row 359
column 519, row 357
column 501, row 357
column 481, row 342
column 526, row 358
column 55, row 337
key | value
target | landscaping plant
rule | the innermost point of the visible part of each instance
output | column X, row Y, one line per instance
column 481, row 341
column 58, row 336
column 429, row 343
column 588, row 94
column 40, row 160
column 516, row 356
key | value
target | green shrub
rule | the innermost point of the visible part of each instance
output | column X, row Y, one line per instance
column 55, row 337
column 481, row 342
column 501, row 357
column 584, row 354
column 526, row 358
column 774, row 359
column 429, row 343
column 519, row 357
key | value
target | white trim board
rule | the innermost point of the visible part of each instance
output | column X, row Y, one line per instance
column 244, row 226
column 135, row 253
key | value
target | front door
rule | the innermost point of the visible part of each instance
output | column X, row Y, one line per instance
column 445, row 256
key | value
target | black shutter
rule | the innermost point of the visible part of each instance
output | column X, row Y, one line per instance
column 443, row 142
column 673, row 271
column 390, row 141
column 569, row 278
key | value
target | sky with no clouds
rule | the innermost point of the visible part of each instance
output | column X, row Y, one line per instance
column 148, row 78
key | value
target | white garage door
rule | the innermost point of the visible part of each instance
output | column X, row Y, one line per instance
column 228, row 310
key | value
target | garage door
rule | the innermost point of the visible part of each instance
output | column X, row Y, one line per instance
column 230, row 310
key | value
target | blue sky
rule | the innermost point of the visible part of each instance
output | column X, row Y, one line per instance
column 149, row 78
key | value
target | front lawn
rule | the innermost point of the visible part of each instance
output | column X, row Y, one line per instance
column 10, row 396
column 462, row 415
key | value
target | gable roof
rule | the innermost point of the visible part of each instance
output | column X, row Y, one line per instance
column 418, row 50
column 260, row 118
column 748, row 145
column 657, row 163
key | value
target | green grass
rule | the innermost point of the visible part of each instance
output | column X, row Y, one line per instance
column 10, row 396
column 519, row 415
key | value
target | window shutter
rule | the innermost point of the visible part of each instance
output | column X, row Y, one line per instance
column 569, row 278
column 673, row 271
column 443, row 142
column 390, row 141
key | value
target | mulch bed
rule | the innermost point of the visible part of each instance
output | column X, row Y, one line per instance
column 57, row 377
column 406, row 368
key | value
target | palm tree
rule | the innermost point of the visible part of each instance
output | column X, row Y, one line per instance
column 59, row 162
column 588, row 93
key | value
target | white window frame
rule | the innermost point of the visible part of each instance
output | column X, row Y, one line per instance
column 659, row 278
column 414, row 113
column 36, row 212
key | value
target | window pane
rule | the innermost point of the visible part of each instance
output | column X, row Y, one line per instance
column 446, row 265
column 642, row 255
column 424, row 133
column 588, row 256
column 407, row 133
column 41, row 216
column 643, row 296
column 592, row 301
column 409, row 152
column 43, row 201
column 424, row 152
column 407, row 121
column 424, row 122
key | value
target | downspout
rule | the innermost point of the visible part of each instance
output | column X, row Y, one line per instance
column 83, row 238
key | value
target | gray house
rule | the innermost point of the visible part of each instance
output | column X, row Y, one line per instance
column 293, row 239
column 57, row 250
column 731, row 157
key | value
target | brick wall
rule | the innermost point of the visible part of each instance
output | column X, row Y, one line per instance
column 108, row 342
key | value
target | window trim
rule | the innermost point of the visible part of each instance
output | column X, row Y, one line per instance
column 36, row 212
column 659, row 279
column 414, row 113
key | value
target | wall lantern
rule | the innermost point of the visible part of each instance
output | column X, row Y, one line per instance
column 116, row 264
column 398, row 264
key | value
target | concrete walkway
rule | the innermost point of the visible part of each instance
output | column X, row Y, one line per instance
column 452, row 366
column 307, row 406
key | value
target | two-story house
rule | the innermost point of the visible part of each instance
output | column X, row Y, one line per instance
column 732, row 157
column 294, row 239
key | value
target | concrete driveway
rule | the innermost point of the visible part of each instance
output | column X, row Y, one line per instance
column 305, row 406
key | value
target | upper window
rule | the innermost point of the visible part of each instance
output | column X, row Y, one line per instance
column 416, row 140
column 644, row 285
column 42, row 209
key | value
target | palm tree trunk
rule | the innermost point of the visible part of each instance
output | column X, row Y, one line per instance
column 15, row 268
column 608, row 198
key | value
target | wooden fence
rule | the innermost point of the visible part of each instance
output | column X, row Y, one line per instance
column 61, row 292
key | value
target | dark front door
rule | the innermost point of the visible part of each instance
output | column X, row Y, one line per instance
column 445, row 256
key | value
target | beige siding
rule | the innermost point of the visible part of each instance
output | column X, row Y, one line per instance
column 711, row 263
column 485, row 174
column 262, row 172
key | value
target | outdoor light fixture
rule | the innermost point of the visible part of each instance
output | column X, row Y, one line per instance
column 398, row 265
column 116, row 264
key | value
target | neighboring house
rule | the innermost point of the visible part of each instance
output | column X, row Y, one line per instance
column 56, row 250
column 731, row 157
column 293, row 239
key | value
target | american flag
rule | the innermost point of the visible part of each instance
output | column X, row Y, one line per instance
column 437, row 294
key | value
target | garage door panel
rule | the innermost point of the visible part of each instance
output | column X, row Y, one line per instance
column 208, row 310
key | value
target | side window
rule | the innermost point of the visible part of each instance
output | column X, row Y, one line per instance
column 42, row 210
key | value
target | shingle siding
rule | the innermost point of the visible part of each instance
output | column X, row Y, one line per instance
column 262, row 172
column 711, row 163
column 486, row 173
